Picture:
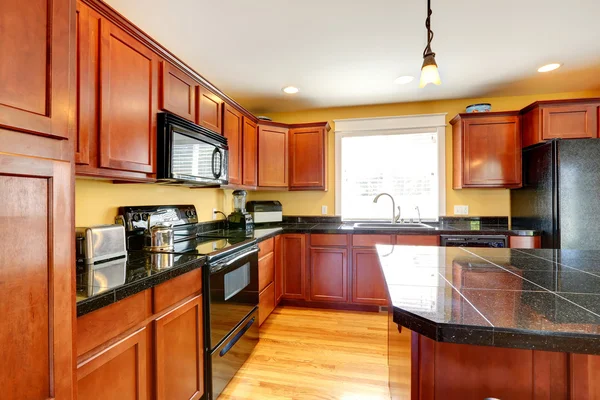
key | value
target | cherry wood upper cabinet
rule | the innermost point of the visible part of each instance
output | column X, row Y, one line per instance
column 128, row 82
column 233, row 126
column 37, row 292
column 117, row 372
column 210, row 110
column 177, row 92
column 293, row 248
column 272, row 156
column 308, row 157
column 249, row 153
column 329, row 274
column 37, row 47
column 180, row 353
column 487, row 150
column 560, row 119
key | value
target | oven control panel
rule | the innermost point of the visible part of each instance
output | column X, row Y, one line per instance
column 136, row 218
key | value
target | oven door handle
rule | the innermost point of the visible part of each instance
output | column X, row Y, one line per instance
column 221, row 266
column 236, row 338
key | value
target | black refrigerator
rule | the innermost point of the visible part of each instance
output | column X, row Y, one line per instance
column 560, row 194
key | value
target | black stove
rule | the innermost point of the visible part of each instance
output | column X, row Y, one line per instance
column 230, row 282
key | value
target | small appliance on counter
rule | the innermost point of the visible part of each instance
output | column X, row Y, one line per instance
column 240, row 218
column 265, row 211
column 100, row 243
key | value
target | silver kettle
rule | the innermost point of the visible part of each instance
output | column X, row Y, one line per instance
column 161, row 236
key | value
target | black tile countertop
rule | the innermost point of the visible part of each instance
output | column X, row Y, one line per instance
column 529, row 299
column 103, row 284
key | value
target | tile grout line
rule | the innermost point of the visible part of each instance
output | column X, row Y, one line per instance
column 533, row 283
column 564, row 265
column 468, row 301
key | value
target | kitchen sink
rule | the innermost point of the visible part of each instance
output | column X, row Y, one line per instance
column 389, row 225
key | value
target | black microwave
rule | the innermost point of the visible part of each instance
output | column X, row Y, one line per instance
column 189, row 154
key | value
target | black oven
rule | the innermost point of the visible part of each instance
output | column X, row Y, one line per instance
column 233, row 312
column 190, row 154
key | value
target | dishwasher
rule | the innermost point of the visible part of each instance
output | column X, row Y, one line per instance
column 497, row 241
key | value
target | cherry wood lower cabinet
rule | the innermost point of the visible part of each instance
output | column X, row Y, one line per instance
column 266, row 303
column 525, row 242
column 369, row 284
column 36, row 277
column 418, row 240
column 117, row 372
column 329, row 274
column 278, row 269
column 293, row 248
column 179, row 344
column 451, row 371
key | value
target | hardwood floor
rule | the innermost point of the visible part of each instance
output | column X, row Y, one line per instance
column 306, row 354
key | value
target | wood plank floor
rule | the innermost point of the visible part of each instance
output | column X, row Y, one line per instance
column 306, row 354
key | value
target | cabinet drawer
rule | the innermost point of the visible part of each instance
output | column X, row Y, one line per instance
column 99, row 326
column 328, row 240
column 168, row 293
column 266, row 303
column 370, row 240
column 265, row 247
column 418, row 240
column 266, row 271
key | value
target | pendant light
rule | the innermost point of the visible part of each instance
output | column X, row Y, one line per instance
column 429, row 70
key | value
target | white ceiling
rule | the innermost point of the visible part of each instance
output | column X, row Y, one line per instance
column 341, row 52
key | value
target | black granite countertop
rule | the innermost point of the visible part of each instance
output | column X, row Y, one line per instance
column 103, row 284
column 530, row 299
column 447, row 226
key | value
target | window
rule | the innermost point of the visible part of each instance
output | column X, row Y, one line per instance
column 405, row 159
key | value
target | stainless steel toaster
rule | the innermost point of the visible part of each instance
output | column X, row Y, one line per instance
column 100, row 243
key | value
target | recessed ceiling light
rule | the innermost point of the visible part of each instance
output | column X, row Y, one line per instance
column 403, row 80
column 290, row 89
column 549, row 67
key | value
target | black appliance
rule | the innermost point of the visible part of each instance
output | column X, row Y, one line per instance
column 230, row 284
column 560, row 193
column 190, row 154
column 239, row 218
column 473, row 241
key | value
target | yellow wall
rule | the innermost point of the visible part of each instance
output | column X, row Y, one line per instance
column 483, row 202
column 96, row 202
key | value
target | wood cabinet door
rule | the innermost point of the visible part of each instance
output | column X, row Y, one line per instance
column 367, row 278
column 266, row 303
column 36, row 284
column 179, row 363
column 232, row 130
column 569, row 122
column 308, row 159
column 117, row 372
column 329, row 275
column 278, row 253
column 82, row 65
column 294, row 266
column 250, row 153
column 266, row 270
column 272, row 156
column 177, row 92
column 37, row 47
column 128, row 82
column 492, row 152
column 210, row 110
column 583, row 377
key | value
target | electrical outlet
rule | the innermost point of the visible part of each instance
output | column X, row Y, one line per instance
column 214, row 215
column 461, row 210
column 324, row 210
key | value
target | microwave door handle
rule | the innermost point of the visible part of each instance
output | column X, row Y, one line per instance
column 221, row 266
column 216, row 174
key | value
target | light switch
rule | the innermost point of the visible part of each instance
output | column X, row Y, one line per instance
column 461, row 210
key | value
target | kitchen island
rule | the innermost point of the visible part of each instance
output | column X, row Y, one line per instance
column 494, row 323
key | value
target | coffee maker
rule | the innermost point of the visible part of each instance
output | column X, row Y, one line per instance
column 240, row 218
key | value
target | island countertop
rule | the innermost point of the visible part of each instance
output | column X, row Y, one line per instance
column 528, row 299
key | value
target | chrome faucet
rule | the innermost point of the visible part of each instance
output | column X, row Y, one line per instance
column 418, row 213
column 395, row 217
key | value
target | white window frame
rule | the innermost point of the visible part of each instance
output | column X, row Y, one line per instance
column 405, row 124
